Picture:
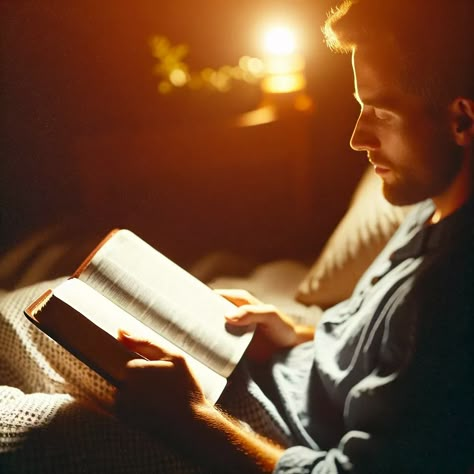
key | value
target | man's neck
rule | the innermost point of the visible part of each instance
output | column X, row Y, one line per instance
column 458, row 192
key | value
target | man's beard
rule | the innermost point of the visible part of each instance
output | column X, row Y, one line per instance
column 409, row 189
column 403, row 193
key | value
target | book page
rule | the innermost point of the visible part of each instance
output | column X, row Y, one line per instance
column 111, row 318
column 172, row 302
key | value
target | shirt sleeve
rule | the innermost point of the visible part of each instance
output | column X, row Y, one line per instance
column 414, row 412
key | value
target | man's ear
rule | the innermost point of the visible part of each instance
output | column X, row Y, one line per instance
column 462, row 120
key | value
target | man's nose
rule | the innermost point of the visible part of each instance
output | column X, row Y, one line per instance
column 364, row 137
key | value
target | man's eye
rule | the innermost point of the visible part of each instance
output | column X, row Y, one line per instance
column 382, row 114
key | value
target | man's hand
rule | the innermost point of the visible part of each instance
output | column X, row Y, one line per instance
column 275, row 330
column 157, row 394
column 162, row 397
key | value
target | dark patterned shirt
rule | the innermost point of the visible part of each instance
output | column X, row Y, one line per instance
column 386, row 386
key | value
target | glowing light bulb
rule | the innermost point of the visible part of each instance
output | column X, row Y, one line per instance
column 284, row 65
column 280, row 41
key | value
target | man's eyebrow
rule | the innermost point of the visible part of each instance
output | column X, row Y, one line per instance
column 378, row 101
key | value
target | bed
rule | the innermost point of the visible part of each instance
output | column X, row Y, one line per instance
column 50, row 420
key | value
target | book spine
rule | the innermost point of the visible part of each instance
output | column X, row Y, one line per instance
column 38, row 304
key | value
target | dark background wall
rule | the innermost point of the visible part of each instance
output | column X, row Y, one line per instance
column 85, row 135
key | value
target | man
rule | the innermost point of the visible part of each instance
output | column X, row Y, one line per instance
column 386, row 385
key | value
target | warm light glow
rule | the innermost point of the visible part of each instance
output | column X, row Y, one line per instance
column 260, row 116
column 174, row 72
column 178, row 77
column 279, row 70
column 284, row 64
column 256, row 67
column 280, row 40
column 220, row 80
column 284, row 83
column 244, row 63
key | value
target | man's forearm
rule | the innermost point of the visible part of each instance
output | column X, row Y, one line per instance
column 219, row 441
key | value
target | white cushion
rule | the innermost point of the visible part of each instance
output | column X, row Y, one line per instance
column 361, row 234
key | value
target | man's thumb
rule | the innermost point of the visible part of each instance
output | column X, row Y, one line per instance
column 139, row 345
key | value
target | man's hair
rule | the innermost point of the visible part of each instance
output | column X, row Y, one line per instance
column 435, row 40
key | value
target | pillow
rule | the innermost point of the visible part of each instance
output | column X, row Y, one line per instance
column 364, row 230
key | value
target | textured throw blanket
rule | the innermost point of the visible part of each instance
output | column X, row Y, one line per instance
column 54, row 411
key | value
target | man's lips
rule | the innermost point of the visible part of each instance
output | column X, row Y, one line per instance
column 379, row 168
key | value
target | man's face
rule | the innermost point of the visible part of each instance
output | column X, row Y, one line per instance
column 410, row 149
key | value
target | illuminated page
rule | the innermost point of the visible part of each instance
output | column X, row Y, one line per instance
column 169, row 300
column 110, row 318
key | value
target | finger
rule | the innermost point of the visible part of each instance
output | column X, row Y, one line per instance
column 250, row 314
column 142, row 374
column 141, row 346
column 237, row 296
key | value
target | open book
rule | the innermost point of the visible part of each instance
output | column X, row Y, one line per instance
column 125, row 283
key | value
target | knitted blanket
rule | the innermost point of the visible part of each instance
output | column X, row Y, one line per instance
column 55, row 412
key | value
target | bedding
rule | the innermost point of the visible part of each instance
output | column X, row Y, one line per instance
column 50, row 414
column 361, row 234
column 54, row 410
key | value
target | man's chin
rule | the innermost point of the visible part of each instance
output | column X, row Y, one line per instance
column 401, row 196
